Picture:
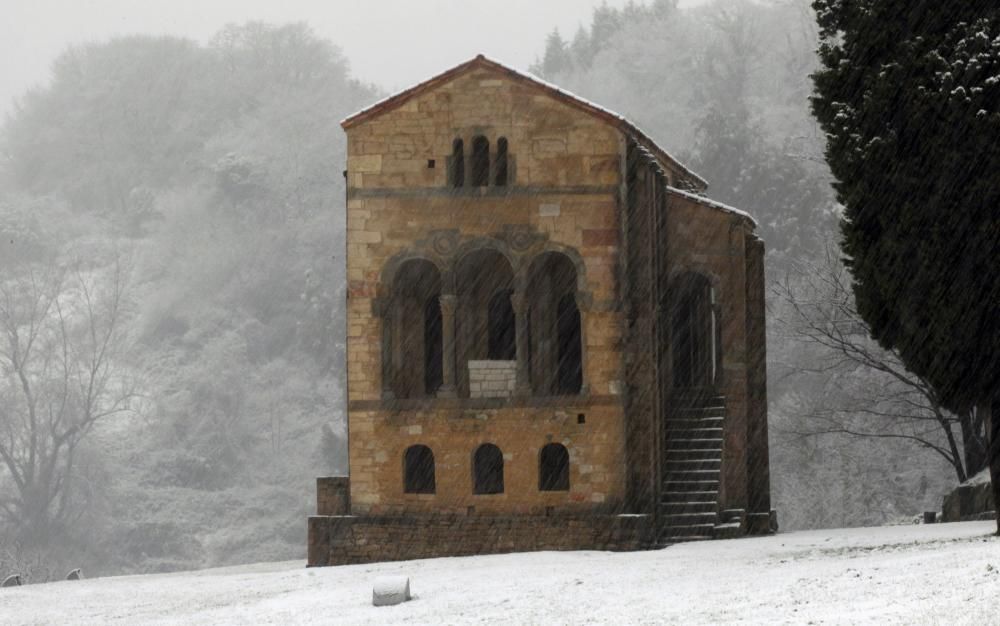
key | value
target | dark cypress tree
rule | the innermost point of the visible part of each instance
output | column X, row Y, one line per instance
column 909, row 96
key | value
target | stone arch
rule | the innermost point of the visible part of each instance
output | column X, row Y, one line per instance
column 582, row 287
column 392, row 266
column 487, row 243
column 412, row 350
column 696, row 268
column 693, row 316
column 483, row 277
column 555, row 325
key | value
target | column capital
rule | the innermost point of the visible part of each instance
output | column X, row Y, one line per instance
column 448, row 303
column 519, row 302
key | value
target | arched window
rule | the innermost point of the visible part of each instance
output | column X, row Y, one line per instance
column 569, row 368
column 484, row 317
column 695, row 333
column 500, row 177
column 412, row 350
column 418, row 470
column 555, row 330
column 502, row 338
column 456, row 167
column 553, row 468
column 487, row 469
column 480, row 162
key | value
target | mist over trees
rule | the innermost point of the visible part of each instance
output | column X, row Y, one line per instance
column 61, row 336
column 908, row 96
column 216, row 169
column 726, row 86
column 202, row 183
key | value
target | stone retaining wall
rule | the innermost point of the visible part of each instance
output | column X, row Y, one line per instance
column 343, row 540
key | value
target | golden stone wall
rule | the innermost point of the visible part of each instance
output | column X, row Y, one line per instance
column 564, row 194
column 712, row 242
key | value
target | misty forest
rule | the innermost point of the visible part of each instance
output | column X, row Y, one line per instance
column 172, row 293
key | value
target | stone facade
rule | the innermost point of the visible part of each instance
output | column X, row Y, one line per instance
column 333, row 496
column 515, row 259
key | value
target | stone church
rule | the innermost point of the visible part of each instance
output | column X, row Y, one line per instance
column 554, row 339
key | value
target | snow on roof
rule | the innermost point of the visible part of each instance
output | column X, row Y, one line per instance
column 400, row 97
column 711, row 203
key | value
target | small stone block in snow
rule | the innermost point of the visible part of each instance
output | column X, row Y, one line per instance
column 391, row 590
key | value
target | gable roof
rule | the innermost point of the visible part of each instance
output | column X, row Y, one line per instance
column 481, row 62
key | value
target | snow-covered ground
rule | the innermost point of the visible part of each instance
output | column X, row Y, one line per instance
column 935, row 574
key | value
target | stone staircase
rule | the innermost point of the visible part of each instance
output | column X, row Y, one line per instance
column 691, row 472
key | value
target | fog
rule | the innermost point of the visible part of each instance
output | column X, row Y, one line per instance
column 391, row 43
column 181, row 162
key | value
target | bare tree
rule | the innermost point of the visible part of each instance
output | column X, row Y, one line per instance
column 861, row 389
column 61, row 336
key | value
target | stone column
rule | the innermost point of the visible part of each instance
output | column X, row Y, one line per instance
column 519, row 302
column 578, row 299
column 389, row 342
column 448, row 303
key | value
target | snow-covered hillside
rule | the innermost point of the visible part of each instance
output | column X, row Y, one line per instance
column 936, row 574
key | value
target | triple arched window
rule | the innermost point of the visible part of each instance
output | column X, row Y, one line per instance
column 483, row 171
column 482, row 324
column 487, row 469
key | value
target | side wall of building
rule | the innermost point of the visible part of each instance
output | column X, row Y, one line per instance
column 713, row 243
column 758, row 460
column 644, row 285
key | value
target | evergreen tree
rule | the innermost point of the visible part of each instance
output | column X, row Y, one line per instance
column 909, row 96
column 557, row 58
column 580, row 49
column 607, row 21
column 664, row 7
